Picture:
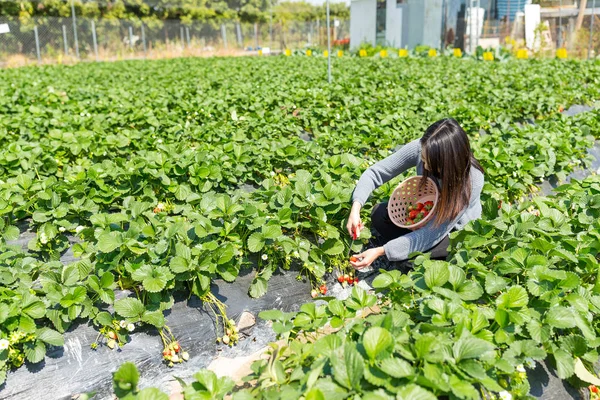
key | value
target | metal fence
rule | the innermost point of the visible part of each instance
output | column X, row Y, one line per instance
column 51, row 39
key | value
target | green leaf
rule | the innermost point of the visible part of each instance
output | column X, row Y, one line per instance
column 436, row 273
column 348, row 367
column 565, row 364
column 396, row 367
column 110, row 241
column 414, row 392
column 151, row 394
column 514, row 297
column 50, row 336
column 377, row 342
column 256, row 242
column 125, row 380
column 129, row 308
column 333, row 247
column 154, row 318
column 560, row 317
column 34, row 351
column 258, row 288
column 271, row 232
column 35, row 310
column 470, row 347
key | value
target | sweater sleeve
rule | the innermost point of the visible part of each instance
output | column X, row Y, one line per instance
column 386, row 169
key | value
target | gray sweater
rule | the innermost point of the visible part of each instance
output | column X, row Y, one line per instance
column 427, row 237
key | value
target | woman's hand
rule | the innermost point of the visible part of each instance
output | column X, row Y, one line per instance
column 367, row 257
column 354, row 224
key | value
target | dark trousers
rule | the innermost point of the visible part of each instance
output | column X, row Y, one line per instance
column 382, row 223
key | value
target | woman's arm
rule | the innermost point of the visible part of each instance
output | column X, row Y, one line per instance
column 386, row 169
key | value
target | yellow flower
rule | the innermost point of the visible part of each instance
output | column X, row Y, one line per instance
column 522, row 54
column 309, row 52
column 457, row 53
column 340, row 53
column 383, row 53
column 326, row 53
column 561, row 53
column 488, row 56
column 403, row 53
column 288, row 52
column 432, row 52
column 260, row 53
column 507, row 40
column 362, row 53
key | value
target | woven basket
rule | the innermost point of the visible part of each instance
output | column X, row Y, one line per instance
column 407, row 193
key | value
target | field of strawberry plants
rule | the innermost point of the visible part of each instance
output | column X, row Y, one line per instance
column 163, row 176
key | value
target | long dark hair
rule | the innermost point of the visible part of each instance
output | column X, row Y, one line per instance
column 449, row 158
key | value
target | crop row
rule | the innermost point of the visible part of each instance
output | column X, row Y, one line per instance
column 140, row 166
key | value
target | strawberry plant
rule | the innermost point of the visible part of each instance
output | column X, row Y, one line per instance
column 161, row 182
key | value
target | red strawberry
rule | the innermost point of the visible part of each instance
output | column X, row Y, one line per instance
column 425, row 213
column 340, row 278
column 355, row 280
column 323, row 289
column 420, row 206
column 413, row 214
column 353, row 259
column 349, row 279
column 176, row 347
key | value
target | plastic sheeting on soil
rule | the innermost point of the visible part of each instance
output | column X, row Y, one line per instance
column 76, row 368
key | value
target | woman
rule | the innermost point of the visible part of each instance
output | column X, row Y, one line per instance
column 443, row 154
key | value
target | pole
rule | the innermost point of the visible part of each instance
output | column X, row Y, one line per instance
column 182, row 38
column 238, row 30
column 591, row 29
column 65, row 40
column 74, row 28
column 255, row 35
column 508, row 18
column 37, row 44
column 224, row 36
column 560, row 24
column 187, row 35
column 328, row 47
column 144, row 39
column 477, row 25
column 130, row 38
column 270, row 24
column 94, row 39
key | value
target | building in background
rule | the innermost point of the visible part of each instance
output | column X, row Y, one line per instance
column 435, row 23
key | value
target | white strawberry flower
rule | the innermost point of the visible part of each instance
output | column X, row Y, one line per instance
column 520, row 368
column 43, row 238
column 264, row 257
column 122, row 324
column 62, row 229
column 160, row 206
column 530, row 362
column 79, row 229
column 130, row 327
column 504, row 395
column 159, row 141
column 272, row 173
column 296, row 254
column 4, row 344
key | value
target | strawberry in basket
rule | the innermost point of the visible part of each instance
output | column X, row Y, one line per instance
column 418, row 212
